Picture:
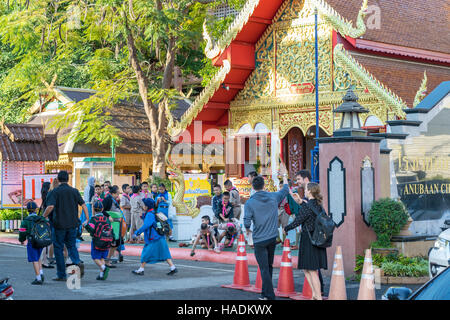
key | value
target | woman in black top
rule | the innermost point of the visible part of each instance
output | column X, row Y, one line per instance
column 310, row 258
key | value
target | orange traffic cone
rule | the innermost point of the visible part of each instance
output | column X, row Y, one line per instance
column 367, row 284
column 337, row 285
column 306, row 292
column 241, row 279
column 257, row 287
column 286, row 277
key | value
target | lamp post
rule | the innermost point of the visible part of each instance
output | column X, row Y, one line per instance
column 350, row 123
column 315, row 151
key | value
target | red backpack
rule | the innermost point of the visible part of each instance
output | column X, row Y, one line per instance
column 103, row 233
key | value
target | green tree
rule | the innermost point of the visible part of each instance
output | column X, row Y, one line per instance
column 123, row 49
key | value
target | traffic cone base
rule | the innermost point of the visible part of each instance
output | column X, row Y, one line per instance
column 337, row 285
column 257, row 287
column 285, row 286
column 241, row 279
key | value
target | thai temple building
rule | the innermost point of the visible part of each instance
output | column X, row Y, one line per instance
column 265, row 85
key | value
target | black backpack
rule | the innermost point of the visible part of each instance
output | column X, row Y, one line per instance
column 102, row 235
column 163, row 227
column 322, row 235
column 40, row 233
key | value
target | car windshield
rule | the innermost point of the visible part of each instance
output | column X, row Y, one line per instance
column 437, row 289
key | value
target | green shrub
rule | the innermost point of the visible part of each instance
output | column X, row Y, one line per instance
column 395, row 265
column 387, row 217
column 12, row 214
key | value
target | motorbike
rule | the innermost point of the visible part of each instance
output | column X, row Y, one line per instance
column 6, row 290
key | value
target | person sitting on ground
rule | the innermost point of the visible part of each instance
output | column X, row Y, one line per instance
column 206, row 238
column 137, row 210
column 33, row 253
column 98, row 254
column 234, row 198
column 225, row 210
column 156, row 248
column 232, row 230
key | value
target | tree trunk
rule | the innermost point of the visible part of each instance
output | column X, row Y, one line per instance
column 156, row 115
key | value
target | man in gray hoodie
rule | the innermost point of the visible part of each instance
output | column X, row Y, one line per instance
column 262, row 210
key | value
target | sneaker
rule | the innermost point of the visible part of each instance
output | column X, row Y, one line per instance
column 100, row 278
column 51, row 260
column 105, row 273
column 139, row 273
column 42, row 278
column 263, row 298
column 172, row 272
column 172, row 240
column 81, row 266
column 47, row 266
column 120, row 258
column 38, row 282
column 111, row 266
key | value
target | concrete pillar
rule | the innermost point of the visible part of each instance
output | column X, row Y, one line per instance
column 341, row 163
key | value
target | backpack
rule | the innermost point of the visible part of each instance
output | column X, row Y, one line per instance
column 103, row 235
column 163, row 227
column 40, row 233
column 322, row 235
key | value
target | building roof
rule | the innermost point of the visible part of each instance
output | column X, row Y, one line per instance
column 409, row 23
column 431, row 100
column 128, row 116
column 24, row 142
column 403, row 77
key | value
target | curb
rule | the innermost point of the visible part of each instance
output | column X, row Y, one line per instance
column 180, row 254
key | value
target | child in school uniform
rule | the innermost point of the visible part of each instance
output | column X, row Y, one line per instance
column 98, row 255
column 156, row 248
column 137, row 209
column 225, row 209
column 33, row 254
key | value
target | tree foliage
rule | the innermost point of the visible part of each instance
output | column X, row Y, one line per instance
column 120, row 48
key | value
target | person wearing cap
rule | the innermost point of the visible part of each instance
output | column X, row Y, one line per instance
column 33, row 254
column 155, row 249
column 97, row 255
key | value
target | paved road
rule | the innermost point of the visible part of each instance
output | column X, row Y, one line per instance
column 194, row 281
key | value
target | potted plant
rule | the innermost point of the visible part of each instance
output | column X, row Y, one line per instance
column 386, row 217
column 2, row 221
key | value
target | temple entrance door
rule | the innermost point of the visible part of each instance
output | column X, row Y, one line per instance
column 294, row 151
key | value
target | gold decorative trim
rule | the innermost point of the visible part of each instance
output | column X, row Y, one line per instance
column 343, row 58
column 422, row 92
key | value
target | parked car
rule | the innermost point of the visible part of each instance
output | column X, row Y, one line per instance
column 6, row 290
column 439, row 255
column 437, row 288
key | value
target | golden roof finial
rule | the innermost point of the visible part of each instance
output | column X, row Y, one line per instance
column 422, row 92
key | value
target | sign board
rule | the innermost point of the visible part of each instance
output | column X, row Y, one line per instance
column 32, row 185
column 12, row 174
column 196, row 185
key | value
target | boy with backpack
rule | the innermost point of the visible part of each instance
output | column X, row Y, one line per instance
column 102, row 237
column 36, row 229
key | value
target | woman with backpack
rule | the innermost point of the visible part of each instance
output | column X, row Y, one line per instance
column 155, row 249
column 310, row 257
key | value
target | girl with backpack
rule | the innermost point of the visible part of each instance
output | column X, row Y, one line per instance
column 310, row 257
column 164, row 202
column 155, row 249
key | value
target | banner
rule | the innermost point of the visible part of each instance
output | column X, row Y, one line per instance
column 32, row 186
column 196, row 185
column 12, row 186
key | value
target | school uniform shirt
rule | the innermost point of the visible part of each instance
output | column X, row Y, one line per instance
column 235, row 201
column 216, row 204
column 125, row 200
column 224, row 225
column 145, row 195
column 137, row 206
column 210, row 230
column 228, row 211
column 96, row 197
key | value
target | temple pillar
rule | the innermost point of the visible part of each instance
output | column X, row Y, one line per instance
column 145, row 170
